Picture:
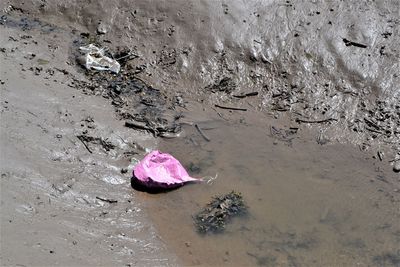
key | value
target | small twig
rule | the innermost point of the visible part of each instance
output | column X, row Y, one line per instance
column 194, row 142
column 210, row 179
column 279, row 109
column 219, row 114
column 88, row 149
column 372, row 130
column 122, row 139
column 380, row 155
column 316, row 121
column 128, row 55
column 107, row 200
column 145, row 83
column 250, row 104
column 371, row 123
column 141, row 126
column 351, row 43
column 30, row 112
column 246, row 95
column 201, row 133
column 230, row 108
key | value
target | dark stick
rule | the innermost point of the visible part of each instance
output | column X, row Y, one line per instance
column 349, row 43
column 140, row 126
column 107, row 200
column 201, row 133
column 88, row 149
column 317, row 121
column 246, row 95
column 219, row 114
column 231, row 108
column 137, row 125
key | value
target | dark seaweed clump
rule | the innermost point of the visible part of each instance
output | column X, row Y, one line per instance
column 218, row 212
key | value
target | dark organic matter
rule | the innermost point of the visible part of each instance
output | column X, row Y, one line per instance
column 218, row 212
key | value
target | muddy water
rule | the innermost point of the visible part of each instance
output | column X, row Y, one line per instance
column 309, row 205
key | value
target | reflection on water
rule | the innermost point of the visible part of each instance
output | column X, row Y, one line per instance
column 309, row 205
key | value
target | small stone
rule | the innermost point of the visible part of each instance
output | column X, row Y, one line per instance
column 396, row 167
column 123, row 170
column 117, row 89
column 101, row 28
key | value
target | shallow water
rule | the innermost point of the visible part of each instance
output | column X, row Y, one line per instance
column 308, row 205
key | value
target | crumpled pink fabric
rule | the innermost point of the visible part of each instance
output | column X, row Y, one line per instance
column 162, row 170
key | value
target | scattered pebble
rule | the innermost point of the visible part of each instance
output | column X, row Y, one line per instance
column 101, row 28
column 396, row 166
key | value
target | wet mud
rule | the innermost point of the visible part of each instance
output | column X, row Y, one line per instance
column 66, row 198
column 317, row 61
column 294, row 105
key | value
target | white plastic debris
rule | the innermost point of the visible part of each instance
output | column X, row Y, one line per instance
column 95, row 59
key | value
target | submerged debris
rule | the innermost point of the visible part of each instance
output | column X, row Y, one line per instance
column 216, row 214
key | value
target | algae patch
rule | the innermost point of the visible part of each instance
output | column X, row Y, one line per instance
column 218, row 212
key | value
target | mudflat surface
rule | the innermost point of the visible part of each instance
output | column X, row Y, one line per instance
column 63, row 203
column 313, row 61
column 296, row 107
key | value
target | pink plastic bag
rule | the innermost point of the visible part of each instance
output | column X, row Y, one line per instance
column 161, row 170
